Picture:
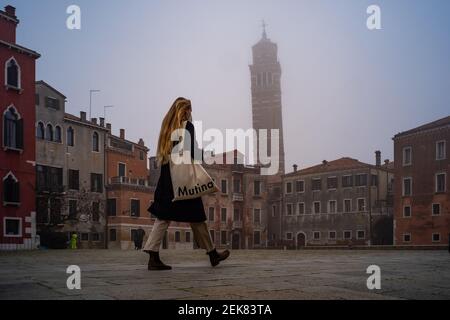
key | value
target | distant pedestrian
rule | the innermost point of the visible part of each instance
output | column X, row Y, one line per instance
column 73, row 241
column 139, row 238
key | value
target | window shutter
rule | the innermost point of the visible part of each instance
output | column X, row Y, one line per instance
column 19, row 134
column 92, row 182
column 16, row 192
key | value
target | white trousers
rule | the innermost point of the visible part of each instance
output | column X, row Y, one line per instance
column 200, row 229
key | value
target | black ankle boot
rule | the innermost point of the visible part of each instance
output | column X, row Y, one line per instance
column 155, row 263
column 215, row 257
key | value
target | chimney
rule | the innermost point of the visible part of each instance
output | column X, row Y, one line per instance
column 122, row 133
column 324, row 162
column 108, row 126
column 295, row 167
column 386, row 162
column 378, row 158
column 9, row 25
column 83, row 116
column 94, row 121
column 141, row 142
column 102, row 122
column 11, row 11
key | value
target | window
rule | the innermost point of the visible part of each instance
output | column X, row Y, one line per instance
column 332, row 235
column 95, row 236
column 316, row 235
column 436, row 237
column 72, row 209
column 436, row 209
column 11, row 190
column 135, row 208
column 95, row 211
column 12, row 73
column 407, row 186
column 121, row 169
column 177, row 236
column 85, row 237
column 36, row 99
column 95, row 142
column 111, row 207
column 74, row 179
column 347, row 181
column 407, row 237
column 188, row 236
column 223, row 237
column 236, row 185
column 12, row 227
column 257, row 188
column 441, row 150
column 49, row 132
column 224, row 184
column 300, row 186
column 347, row 235
column 361, row 180
column 440, row 182
column 373, row 180
column 361, row 234
column 407, row 211
column 288, row 187
column 70, row 137
column 332, row 206
column 361, row 205
column 288, row 235
column 51, row 102
column 211, row 234
column 40, row 131
column 407, row 156
column 347, row 205
column 332, row 182
column 256, row 216
column 316, row 184
column 58, row 137
column 301, row 208
column 316, row 206
column 211, row 213
column 96, row 182
column 12, row 129
column 289, row 209
column 112, row 235
column 141, row 155
column 256, row 238
column 274, row 211
column 236, row 214
column 223, row 215
column 133, row 234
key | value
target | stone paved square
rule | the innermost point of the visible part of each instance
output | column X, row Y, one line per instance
column 247, row 274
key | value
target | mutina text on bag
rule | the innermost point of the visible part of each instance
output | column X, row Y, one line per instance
column 196, row 190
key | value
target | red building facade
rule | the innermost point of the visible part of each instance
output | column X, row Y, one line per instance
column 17, row 135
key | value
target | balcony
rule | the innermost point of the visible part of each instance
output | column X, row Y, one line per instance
column 129, row 182
column 237, row 197
column 237, row 224
column 47, row 189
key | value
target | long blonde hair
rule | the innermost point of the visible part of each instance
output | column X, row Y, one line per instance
column 177, row 114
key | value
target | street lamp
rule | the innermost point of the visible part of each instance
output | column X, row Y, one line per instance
column 104, row 110
column 90, row 101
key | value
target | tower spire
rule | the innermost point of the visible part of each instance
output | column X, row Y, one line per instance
column 264, row 34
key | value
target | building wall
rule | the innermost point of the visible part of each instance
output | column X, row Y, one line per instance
column 422, row 224
column 20, row 163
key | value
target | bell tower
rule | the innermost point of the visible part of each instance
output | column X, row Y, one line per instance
column 266, row 93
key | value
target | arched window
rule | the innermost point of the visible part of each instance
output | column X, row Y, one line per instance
column 12, row 129
column 40, row 131
column 58, row 134
column 12, row 73
column 70, row 137
column 49, row 132
column 95, row 142
column 11, row 189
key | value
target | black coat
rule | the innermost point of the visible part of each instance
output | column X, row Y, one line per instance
column 190, row 210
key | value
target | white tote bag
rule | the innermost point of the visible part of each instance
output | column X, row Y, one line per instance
column 189, row 179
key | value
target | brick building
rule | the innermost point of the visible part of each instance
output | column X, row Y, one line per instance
column 422, row 196
column 70, row 188
column 335, row 203
column 17, row 155
column 128, row 191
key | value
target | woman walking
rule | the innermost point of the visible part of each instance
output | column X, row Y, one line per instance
column 163, row 207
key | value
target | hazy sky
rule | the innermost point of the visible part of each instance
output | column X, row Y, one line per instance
column 346, row 90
